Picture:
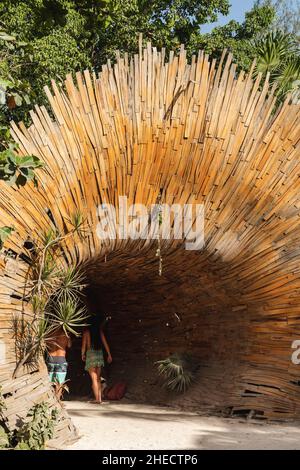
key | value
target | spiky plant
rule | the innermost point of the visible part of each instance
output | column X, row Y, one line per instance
column 78, row 222
column 177, row 372
column 277, row 53
column 68, row 315
column 55, row 295
column 272, row 50
column 289, row 77
column 71, row 284
column 31, row 339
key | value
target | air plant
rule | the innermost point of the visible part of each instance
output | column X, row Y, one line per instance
column 177, row 372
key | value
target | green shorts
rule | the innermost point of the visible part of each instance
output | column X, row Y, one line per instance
column 94, row 358
column 57, row 369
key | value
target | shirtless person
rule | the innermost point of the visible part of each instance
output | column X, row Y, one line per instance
column 56, row 360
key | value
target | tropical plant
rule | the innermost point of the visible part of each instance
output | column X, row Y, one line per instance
column 278, row 54
column 4, row 438
column 5, row 232
column 31, row 339
column 68, row 315
column 71, row 284
column 177, row 372
column 60, row 389
column 4, row 433
column 55, row 295
column 34, row 434
column 15, row 169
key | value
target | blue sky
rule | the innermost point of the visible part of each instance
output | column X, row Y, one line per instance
column 237, row 12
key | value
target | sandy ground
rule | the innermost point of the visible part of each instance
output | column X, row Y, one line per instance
column 128, row 426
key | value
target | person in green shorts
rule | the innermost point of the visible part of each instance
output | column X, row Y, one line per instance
column 93, row 341
column 56, row 360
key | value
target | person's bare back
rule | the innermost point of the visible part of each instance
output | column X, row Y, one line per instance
column 58, row 344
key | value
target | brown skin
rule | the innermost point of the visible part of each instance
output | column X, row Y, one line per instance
column 95, row 372
column 58, row 344
column 57, row 347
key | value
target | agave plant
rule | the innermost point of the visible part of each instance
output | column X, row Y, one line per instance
column 177, row 372
column 68, row 315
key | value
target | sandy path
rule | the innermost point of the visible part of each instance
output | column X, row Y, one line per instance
column 130, row 426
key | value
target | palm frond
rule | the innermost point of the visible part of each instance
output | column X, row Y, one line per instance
column 177, row 372
column 272, row 49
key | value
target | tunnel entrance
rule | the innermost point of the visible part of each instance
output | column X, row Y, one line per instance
column 192, row 308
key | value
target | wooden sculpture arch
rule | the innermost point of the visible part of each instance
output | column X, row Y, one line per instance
column 195, row 133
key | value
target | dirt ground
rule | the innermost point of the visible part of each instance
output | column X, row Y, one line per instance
column 125, row 426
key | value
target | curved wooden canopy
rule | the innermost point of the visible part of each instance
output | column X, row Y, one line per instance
column 196, row 133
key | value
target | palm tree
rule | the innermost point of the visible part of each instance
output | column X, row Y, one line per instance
column 278, row 54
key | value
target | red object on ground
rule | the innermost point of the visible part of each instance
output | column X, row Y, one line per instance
column 116, row 391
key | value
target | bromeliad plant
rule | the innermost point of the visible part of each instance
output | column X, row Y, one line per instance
column 177, row 372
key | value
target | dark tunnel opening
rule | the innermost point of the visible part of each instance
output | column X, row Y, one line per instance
column 190, row 309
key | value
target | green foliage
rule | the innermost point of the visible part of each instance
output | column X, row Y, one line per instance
column 15, row 89
column 4, row 434
column 177, row 372
column 31, row 337
column 5, row 232
column 18, row 170
column 68, row 315
column 45, row 39
column 4, row 438
column 59, row 36
column 34, row 434
column 236, row 37
column 60, row 389
column 277, row 53
column 55, row 294
column 72, row 282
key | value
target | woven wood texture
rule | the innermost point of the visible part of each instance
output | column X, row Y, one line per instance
column 198, row 133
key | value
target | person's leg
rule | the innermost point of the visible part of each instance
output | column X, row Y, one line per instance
column 95, row 384
column 51, row 372
column 98, row 372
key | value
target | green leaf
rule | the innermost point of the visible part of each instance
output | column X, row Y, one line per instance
column 6, row 37
column 11, row 180
column 4, row 84
column 4, row 439
column 27, row 99
column 5, row 232
column 18, row 99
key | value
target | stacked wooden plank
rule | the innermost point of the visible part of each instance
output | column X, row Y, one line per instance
column 193, row 133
